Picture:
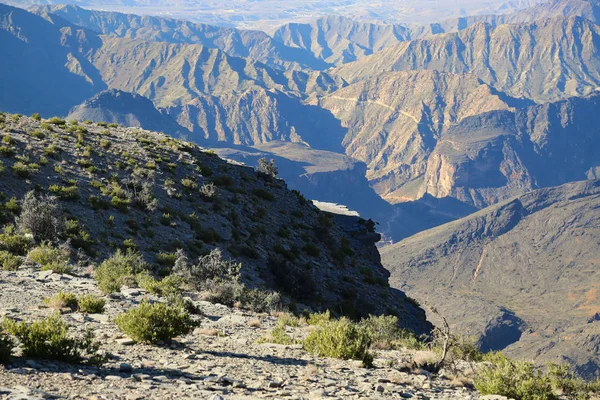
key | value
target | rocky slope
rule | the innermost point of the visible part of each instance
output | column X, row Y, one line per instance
column 394, row 121
column 542, row 61
column 127, row 109
column 519, row 276
column 125, row 187
column 222, row 359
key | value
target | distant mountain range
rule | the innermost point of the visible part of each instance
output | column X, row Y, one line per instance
column 519, row 276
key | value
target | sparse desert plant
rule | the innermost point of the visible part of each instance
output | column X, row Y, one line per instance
column 340, row 339
column 189, row 184
column 167, row 286
column 385, row 332
column 49, row 339
column 41, row 217
column 264, row 194
column 86, row 303
column 208, row 190
column 21, row 170
column 62, row 300
column 278, row 335
column 57, row 121
column 46, row 255
column 121, row 267
column 259, row 300
column 267, row 168
column 211, row 268
column 90, row 304
column 64, row 192
column 58, row 268
column 6, row 346
column 15, row 242
column 514, row 379
column 151, row 323
column 9, row 262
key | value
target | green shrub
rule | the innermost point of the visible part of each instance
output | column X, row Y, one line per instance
column 167, row 259
column 340, row 339
column 311, row 249
column 90, row 304
column 315, row 319
column 514, row 379
column 21, row 170
column 167, row 286
column 7, row 139
column 6, row 346
column 64, row 192
column 7, row 151
column 211, row 268
column 49, row 339
column 85, row 304
column 151, row 323
column 58, row 268
column 189, row 184
column 98, row 203
column 264, row 194
column 14, row 242
column 259, row 300
column 36, row 116
column 46, row 254
column 115, row 271
column 120, row 204
column 278, row 335
column 38, row 134
column 225, row 181
column 57, row 121
column 51, row 150
column 9, row 262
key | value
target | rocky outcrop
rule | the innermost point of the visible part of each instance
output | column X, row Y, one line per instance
column 519, row 276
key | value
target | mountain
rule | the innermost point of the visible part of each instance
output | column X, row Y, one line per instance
column 60, row 48
column 542, row 61
column 494, row 156
column 395, row 119
column 253, row 45
column 127, row 109
column 338, row 40
column 520, row 276
column 588, row 9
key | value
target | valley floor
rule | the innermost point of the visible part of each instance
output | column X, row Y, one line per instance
column 221, row 359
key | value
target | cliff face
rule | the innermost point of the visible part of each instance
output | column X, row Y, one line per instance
column 494, row 156
column 518, row 275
